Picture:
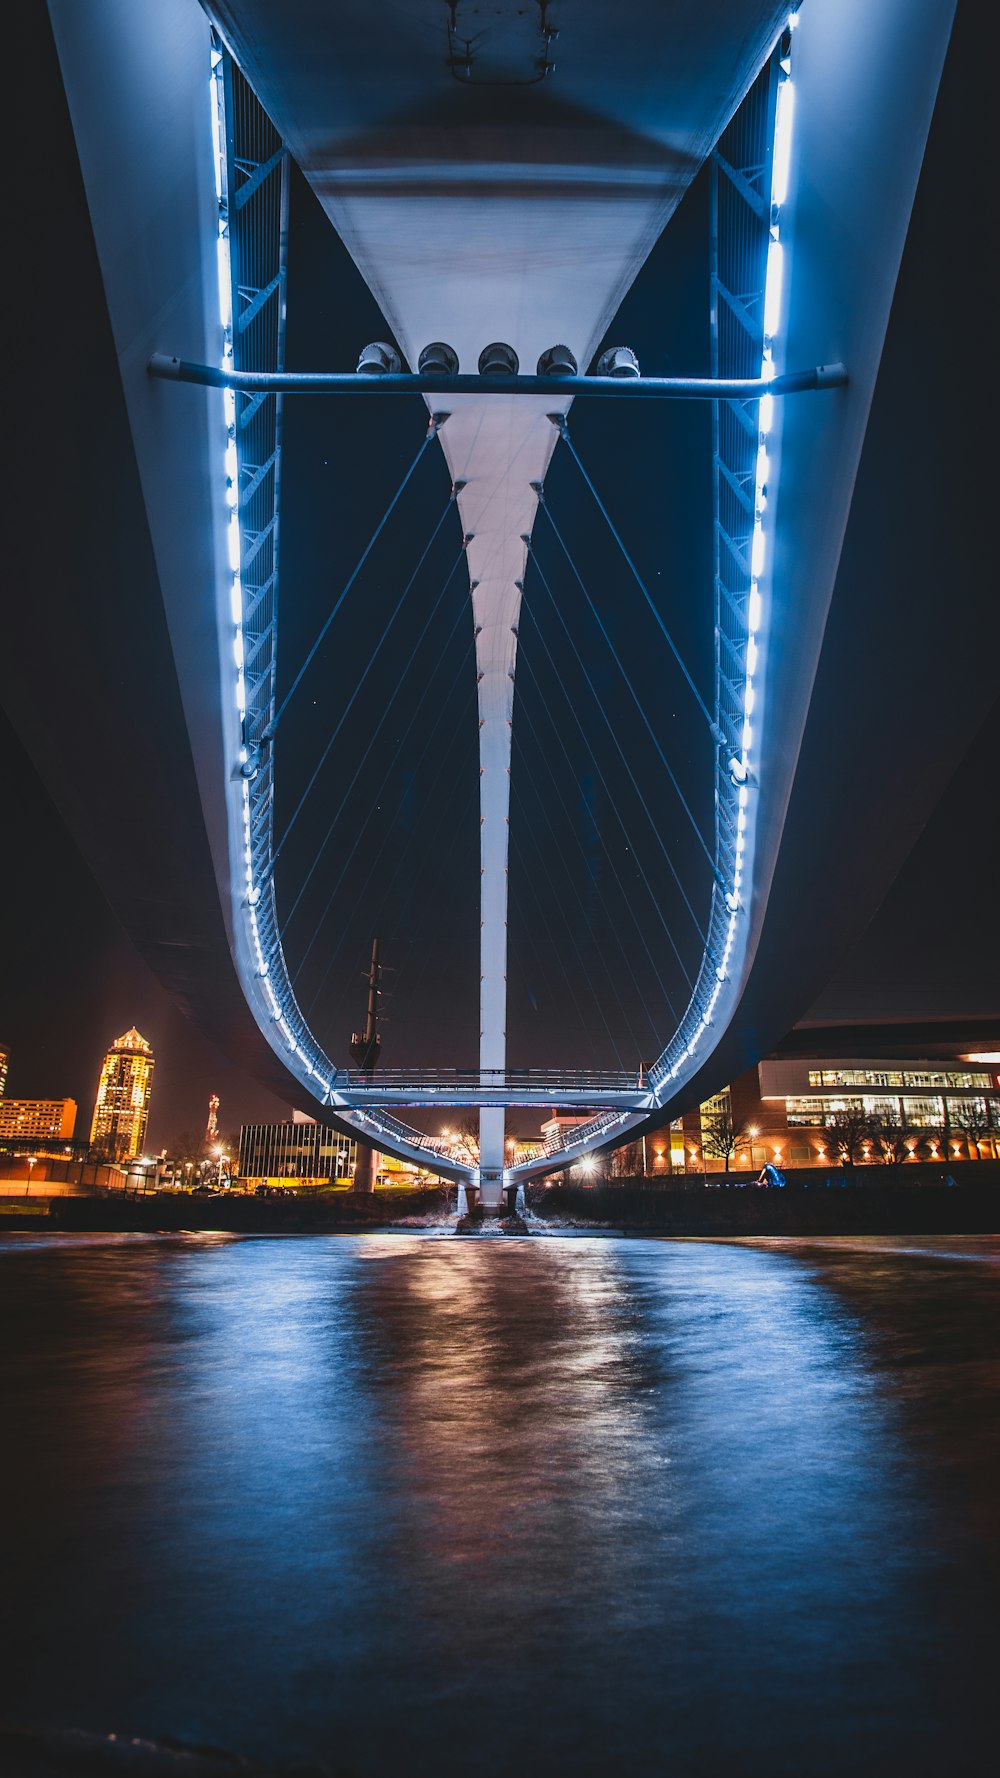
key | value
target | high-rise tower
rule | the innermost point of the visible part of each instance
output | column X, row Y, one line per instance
column 212, row 1127
column 121, row 1111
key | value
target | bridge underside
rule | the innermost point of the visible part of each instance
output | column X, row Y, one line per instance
column 137, row 95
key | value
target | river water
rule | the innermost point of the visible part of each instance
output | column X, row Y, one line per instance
column 403, row 1503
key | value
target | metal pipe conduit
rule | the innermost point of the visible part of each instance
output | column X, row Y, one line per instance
column 328, row 382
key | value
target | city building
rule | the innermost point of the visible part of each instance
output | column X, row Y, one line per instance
column 820, row 1112
column 300, row 1153
column 799, row 1112
column 37, row 1120
column 3, row 1069
column 121, row 1111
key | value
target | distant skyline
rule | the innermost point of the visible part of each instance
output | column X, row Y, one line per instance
column 72, row 982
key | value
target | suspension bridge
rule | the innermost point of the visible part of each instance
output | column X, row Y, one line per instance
column 500, row 188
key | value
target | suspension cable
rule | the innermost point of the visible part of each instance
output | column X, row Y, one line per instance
column 373, row 737
column 542, row 958
column 621, row 752
column 362, row 559
column 526, row 667
column 588, row 974
column 451, row 814
column 386, row 631
column 373, row 804
column 527, row 877
column 637, row 577
column 668, row 768
column 347, row 862
column 524, row 718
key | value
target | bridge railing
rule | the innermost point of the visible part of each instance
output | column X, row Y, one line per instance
column 541, row 1081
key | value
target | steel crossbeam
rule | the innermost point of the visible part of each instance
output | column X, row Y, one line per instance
column 322, row 382
column 257, row 173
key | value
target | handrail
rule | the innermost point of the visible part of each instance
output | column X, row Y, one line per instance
column 606, row 1080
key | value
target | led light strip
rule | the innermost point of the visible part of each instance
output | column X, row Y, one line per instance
column 744, row 772
column 310, row 1058
column 231, row 464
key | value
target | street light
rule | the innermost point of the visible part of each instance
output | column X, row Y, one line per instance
column 32, row 1160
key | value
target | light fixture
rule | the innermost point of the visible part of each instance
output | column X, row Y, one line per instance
column 437, row 360
column 618, row 361
column 498, row 360
column 378, row 359
column 557, row 361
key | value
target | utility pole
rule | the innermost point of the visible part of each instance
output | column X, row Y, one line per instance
column 365, row 1049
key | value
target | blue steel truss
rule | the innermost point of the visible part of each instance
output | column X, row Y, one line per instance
column 748, row 173
column 252, row 180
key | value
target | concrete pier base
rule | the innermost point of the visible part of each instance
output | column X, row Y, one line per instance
column 491, row 1157
column 364, row 1169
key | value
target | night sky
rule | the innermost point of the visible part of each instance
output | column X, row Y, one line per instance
column 593, row 977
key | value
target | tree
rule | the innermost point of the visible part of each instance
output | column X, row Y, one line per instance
column 846, row 1131
column 721, row 1135
column 465, row 1138
column 888, row 1133
column 974, row 1123
column 188, row 1147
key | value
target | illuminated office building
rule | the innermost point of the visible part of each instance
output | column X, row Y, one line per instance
column 121, row 1112
column 3, row 1070
column 300, row 1152
column 786, row 1111
column 37, row 1120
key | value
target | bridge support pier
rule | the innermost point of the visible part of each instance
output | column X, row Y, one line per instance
column 364, row 1168
column 491, row 1140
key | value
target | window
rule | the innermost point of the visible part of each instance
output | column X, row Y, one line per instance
column 876, row 1105
column 959, row 1110
column 818, row 1111
column 923, row 1114
column 718, row 1106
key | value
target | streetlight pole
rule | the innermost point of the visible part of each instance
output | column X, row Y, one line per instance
column 32, row 1163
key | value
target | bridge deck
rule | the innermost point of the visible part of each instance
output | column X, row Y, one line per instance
column 580, row 1089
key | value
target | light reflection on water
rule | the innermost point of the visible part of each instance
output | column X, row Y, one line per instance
column 389, row 1500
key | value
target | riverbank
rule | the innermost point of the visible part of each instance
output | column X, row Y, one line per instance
column 815, row 1209
column 823, row 1204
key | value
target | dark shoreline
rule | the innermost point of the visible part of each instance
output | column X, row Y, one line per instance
column 813, row 1208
